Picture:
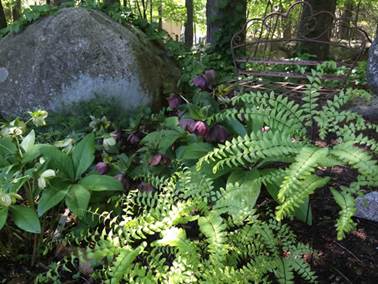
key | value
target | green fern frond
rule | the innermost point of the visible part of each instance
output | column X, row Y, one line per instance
column 213, row 228
column 356, row 158
column 306, row 162
column 122, row 264
column 303, row 188
column 345, row 222
column 250, row 149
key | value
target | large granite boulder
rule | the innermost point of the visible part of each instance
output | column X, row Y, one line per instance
column 372, row 74
column 370, row 111
column 76, row 55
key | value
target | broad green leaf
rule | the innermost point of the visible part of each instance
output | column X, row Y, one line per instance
column 304, row 213
column 7, row 148
column 241, row 194
column 83, row 154
column 33, row 153
column 77, row 199
column 51, row 197
column 3, row 216
column 58, row 160
column 236, row 127
column 101, row 183
column 26, row 219
column 193, row 151
column 28, row 141
column 162, row 139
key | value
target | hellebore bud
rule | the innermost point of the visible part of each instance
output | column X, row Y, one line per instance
column 159, row 159
column 102, row 168
column 210, row 76
column 218, row 133
column 187, row 124
column 133, row 138
column 145, row 187
column 200, row 82
column 200, row 128
column 124, row 180
column 174, row 101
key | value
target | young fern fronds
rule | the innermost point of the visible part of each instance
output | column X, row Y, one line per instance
column 270, row 101
column 303, row 189
column 122, row 264
column 345, row 222
column 310, row 100
column 306, row 162
column 213, row 228
column 360, row 139
column 248, row 150
column 356, row 158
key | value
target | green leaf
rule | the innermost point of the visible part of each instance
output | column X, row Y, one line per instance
column 28, row 142
column 101, row 183
column 236, row 127
column 77, row 199
column 304, row 213
column 7, row 147
column 241, row 194
column 161, row 140
column 33, row 153
column 58, row 160
column 193, row 151
column 3, row 216
column 51, row 196
column 26, row 219
column 83, row 154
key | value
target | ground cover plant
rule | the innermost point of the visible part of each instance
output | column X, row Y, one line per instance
column 191, row 184
column 219, row 186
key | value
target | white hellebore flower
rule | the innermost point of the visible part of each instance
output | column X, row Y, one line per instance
column 44, row 176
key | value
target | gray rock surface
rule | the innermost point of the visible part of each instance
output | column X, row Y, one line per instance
column 368, row 111
column 367, row 206
column 77, row 54
column 372, row 73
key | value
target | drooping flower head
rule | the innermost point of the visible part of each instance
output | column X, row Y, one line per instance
column 218, row 134
column 102, row 168
column 174, row 102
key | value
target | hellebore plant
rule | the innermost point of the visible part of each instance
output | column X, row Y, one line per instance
column 205, row 81
column 70, row 183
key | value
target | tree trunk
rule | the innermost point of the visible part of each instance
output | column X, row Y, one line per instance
column 189, row 23
column 109, row 3
column 16, row 10
column 224, row 19
column 151, row 11
column 3, row 20
column 160, row 12
column 345, row 20
column 322, row 29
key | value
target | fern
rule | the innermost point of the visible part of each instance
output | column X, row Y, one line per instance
column 345, row 223
column 250, row 149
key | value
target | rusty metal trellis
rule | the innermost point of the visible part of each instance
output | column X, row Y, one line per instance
column 261, row 34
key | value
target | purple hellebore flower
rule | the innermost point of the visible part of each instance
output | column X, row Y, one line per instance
column 116, row 135
column 200, row 82
column 218, row 133
column 133, row 138
column 159, row 159
column 210, row 76
column 200, row 128
column 124, row 180
column 155, row 160
column 102, row 168
column 187, row 124
column 174, row 101
column 145, row 187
